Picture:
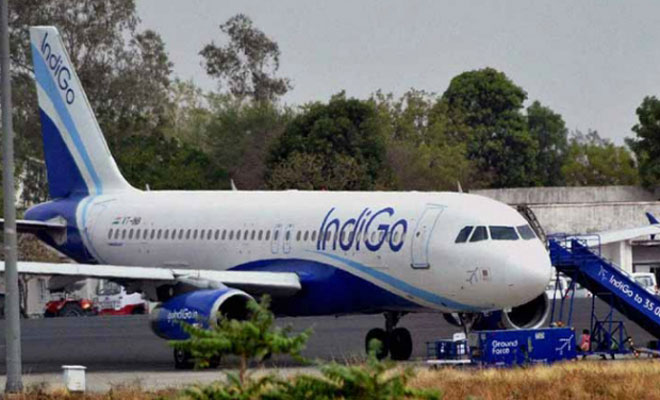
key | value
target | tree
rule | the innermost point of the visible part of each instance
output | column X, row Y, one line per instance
column 423, row 149
column 238, row 136
column 168, row 163
column 251, row 340
column 646, row 145
column 548, row 129
column 343, row 134
column 498, row 140
column 593, row 161
column 248, row 63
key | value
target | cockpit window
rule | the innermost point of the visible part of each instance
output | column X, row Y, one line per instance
column 480, row 233
column 464, row 234
column 503, row 233
column 526, row 232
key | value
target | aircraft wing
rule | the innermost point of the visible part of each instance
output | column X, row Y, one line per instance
column 253, row 282
column 28, row 226
column 622, row 234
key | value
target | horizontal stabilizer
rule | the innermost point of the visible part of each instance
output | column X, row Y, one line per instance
column 28, row 226
column 254, row 282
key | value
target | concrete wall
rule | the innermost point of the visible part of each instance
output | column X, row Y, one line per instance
column 562, row 195
column 593, row 217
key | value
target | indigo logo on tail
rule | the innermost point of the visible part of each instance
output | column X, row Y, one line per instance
column 60, row 71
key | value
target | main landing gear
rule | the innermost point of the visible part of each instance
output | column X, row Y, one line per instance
column 395, row 341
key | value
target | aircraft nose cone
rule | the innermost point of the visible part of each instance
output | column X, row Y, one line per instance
column 528, row 273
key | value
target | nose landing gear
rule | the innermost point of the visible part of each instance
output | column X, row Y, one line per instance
column 395, row 341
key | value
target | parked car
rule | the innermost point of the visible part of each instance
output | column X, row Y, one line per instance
column 647, row 281
column 69, row 306
column 112, row 299
column 557, row 292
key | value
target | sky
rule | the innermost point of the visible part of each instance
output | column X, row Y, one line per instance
column 591, row 61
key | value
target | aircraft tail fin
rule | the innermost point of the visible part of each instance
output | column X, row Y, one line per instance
column 78, row 160
column 652, row 219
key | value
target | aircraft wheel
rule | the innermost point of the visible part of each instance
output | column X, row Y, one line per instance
column 400, row 344
column 182, row 359
column 380, row 335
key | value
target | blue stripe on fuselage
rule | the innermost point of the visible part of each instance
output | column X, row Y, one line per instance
column 399, row 284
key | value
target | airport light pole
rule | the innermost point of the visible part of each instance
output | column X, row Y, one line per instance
column 12, row 321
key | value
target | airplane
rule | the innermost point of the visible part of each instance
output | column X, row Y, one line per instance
column 203, row 254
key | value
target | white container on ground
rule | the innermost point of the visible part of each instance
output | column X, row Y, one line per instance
column 74, row 377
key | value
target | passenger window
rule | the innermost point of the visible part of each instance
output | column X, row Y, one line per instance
column 480, row 233
column 137, row 234
column 117, row 234
column 110, row 234
column 224, row 234
column 526, row 232
column 287, row 236
column 188, row 234
column 254, row 233
column 306, row 236
column 201, row 234
column 130, row 234
column 195, row 234
column 166, row 234
column 276, row 235
column 503, row 233
column 267, row 235
column 313, row 236
column 159, row 232
column 463, row 235
column 231, row 235
column 153, row 234
column 261, row 234
column 145, row 234
column 298, row 236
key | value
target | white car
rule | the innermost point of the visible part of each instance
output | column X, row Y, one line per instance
column 559, row 292
column 647, row 281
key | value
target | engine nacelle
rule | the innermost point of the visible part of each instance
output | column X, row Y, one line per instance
column 197, row 307
column 530, row 315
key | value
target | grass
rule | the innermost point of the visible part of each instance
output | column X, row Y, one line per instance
column 634, row 379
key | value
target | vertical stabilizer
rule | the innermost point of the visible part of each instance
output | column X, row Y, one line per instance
column 78, row 160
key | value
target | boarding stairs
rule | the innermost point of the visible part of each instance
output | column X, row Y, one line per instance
column 580, row 259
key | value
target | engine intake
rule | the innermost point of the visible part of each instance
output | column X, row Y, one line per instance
column 197, row 307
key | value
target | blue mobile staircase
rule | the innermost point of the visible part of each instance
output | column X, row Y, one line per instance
column 580, row 260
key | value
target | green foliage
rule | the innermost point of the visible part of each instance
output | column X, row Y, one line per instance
column 248, row 63
column 343, row 134
column 548, row 129
column 425, row 150
column 499, row 141
column 233, row 389
column 595, row 161
column 375, row 380
column 167, row 163
column 238, row 135
column 251, row 340
column 646, row 145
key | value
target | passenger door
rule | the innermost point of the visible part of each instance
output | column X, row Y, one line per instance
column 276, row 239
column 422, row 235
column 288, row 236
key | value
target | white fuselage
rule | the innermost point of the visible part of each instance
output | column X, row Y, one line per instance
column 416, row 259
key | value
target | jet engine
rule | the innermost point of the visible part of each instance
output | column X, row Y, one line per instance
column 530, row 315
column 197, row 307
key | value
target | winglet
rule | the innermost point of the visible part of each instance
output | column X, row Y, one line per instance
column 652, row 219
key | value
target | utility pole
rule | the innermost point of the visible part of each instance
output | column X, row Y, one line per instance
column 12, row 316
